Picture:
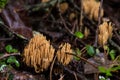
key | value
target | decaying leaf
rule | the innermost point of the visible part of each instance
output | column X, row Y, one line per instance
column 105, row 32
column 13, row 21
column 62, row 55
column 91, row 8
column 38, row 53
column 97, row 60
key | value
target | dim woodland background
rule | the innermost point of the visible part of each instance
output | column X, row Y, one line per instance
column 59, row 39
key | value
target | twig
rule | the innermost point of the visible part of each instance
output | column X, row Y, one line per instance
column 96, row 76
column 61, row 77
column 63, row 19
column 7, row 55
column 81, row 41
column 7, row 39
column 75, row 76
column 85, row 60
column 99, row 21
column 79, row 75
column 7, row 29
column 117, row 35
column 65, row 24
column 40, row 6
column 51, row 68
column 81, row 16
column 10, row 32
column 74, row 26
column 114, row 44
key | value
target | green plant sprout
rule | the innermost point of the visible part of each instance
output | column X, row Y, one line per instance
column 111, row 52
column 7, row 62
column 78, row 53
column 10, row 49
column 107, row 71
column 90, row 50
column 3, row 3
column 79, row 34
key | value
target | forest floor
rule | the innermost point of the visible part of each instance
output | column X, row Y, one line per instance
column 59, row 40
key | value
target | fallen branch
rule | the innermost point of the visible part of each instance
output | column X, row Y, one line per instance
column 7, row 55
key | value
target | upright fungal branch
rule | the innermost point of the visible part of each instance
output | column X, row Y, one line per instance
column 62, row 55
column 38, row 53
column 105, row 32
column 91, row 8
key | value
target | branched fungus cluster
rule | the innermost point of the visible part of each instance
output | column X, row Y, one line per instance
column 105, row 32
column 39, row 53
column 91, row 8
column 63, row 54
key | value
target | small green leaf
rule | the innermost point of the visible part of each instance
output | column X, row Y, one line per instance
column 14, row 50
column 97, row 51
column 11, row 77
column 2, row 62
column 102, row 69
column 12, row 59
column 78, row 53
column 105, row 70
column 8, row 48
column 76, row 58
column 115, row 68
column 79, row 34
column 3, row 3
column 108, row 72
column 112, row 54
column 90, row 50
column 106, row 48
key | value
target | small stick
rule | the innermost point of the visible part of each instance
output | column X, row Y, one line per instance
column 99, row 21
column 81, row 16
column 114, row 44
column 7, row 55
column 85, row 60
column 65, row 24
column 75, row 76
column 62, row 19
column 51, row 68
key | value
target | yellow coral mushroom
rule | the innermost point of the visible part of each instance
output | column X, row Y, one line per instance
column 62, row 55
column 38, row 53
column 105, row 32
column 91, row 8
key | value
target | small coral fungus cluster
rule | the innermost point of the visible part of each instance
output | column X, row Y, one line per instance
column 105, row 32
column 39, row 53
column 91, row 8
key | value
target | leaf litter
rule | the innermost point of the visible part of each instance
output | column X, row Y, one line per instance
column 58, row 20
